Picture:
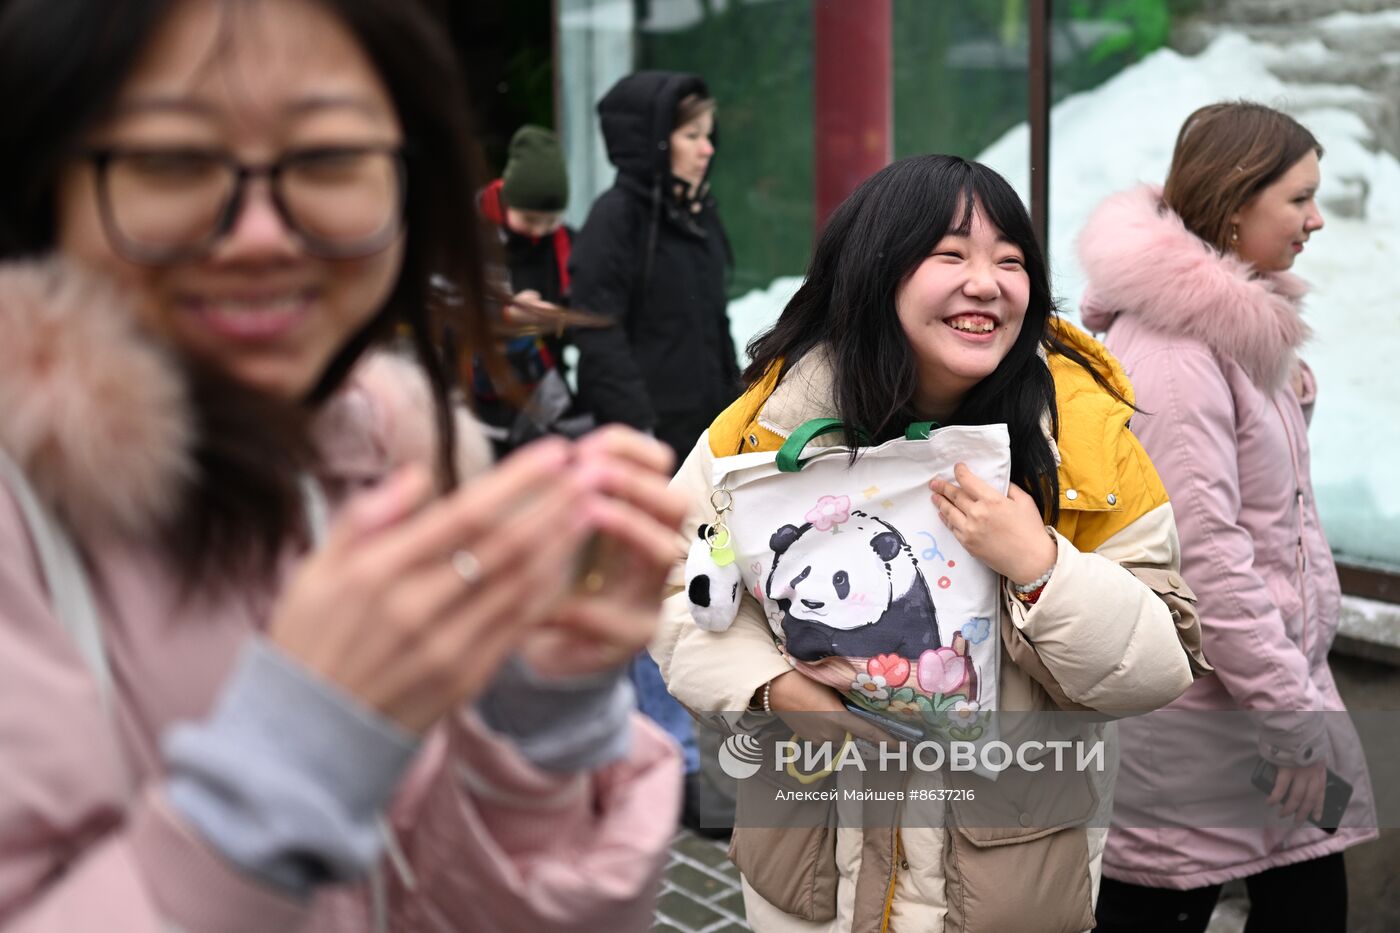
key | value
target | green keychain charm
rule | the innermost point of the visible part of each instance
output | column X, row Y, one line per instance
column 717, row 536
column 721, row 545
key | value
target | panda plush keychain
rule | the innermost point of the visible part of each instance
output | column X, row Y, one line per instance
column 712, row 579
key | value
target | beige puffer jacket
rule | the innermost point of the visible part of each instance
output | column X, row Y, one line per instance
column 1114, row 632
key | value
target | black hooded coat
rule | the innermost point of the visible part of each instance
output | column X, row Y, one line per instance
column 656, row 261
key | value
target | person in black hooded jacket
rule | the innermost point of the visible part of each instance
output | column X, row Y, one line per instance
column 654, row 257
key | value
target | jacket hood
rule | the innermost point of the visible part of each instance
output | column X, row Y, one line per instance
column 637, row 114
column 1140, row 259
column 92, row 411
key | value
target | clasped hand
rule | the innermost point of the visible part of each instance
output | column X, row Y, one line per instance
column 1300, row 792
column 1005, row 532
column 381, row 612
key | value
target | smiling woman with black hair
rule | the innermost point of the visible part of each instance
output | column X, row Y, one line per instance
column 928, row 298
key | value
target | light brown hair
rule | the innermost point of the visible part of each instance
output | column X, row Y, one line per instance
column 692, row 107
column 1225, row 154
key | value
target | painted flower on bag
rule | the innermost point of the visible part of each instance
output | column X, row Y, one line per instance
column 892, row 667
column 964, row 713
column 942, row 670
column 829, row 511
column 870, row 688
column 977, row 629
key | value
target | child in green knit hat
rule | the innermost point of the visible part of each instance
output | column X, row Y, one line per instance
column 526, row 205
column 535, row 184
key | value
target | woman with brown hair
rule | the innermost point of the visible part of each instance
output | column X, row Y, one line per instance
column 1192, row 284
column 278, row 650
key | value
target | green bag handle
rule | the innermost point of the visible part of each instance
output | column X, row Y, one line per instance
column 790, row 460
column 790, row 454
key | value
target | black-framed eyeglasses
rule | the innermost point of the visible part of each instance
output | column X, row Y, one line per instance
column 162, row 205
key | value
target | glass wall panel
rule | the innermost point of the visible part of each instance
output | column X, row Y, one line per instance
column 960, row 79
column 757, row 59
column 1128, row 74
column 595, row 49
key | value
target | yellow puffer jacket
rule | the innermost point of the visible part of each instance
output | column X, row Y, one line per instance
column 1113, row 631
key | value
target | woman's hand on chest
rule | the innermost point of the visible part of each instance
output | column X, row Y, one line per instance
column 1005, row 532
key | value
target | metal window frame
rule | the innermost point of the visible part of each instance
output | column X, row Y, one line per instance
column 1039, row 78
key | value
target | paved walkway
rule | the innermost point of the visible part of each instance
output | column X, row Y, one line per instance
column 701, row 890
column 701, row 893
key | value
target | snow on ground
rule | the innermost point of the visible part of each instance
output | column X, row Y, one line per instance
column 1122, row 132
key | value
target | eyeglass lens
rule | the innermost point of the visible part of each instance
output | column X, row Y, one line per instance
column 341, row 202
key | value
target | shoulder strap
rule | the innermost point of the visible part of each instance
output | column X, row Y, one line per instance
column 66, row 579
column 64, row 576
column 313, row 500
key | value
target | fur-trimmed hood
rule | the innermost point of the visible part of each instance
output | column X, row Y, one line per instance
column 96, row 413
column 1140, row 259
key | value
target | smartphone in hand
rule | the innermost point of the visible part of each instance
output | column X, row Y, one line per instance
column 904, row 731
column 589, row 575
column 1334, row 800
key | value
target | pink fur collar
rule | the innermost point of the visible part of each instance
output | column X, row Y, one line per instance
column 1140, row 259
column 95, row 414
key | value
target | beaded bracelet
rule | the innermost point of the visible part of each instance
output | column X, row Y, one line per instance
column 1025, row 589
column 761, row 700
column 1028, row 593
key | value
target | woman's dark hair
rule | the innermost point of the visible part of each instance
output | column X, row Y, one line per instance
column 1225, row 154
column 871, row 246
column 61, row 66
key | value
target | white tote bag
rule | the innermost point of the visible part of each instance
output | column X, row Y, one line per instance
column 865, row 588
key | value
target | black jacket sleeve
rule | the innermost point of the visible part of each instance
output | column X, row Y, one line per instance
column 602, row 267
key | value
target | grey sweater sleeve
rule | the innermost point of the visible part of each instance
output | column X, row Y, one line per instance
column 287, row 776
column 579, row 724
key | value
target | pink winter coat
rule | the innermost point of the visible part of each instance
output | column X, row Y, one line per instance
column 1209, row 345
column 88, row 841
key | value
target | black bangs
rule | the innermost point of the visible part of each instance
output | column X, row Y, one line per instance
column 968, row 203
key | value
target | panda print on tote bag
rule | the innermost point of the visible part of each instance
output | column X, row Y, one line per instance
column 863, row 586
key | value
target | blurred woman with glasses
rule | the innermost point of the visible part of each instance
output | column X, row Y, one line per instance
column 277, row 651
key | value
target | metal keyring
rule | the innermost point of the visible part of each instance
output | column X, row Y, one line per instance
column 728, row 501
column 712, row 536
